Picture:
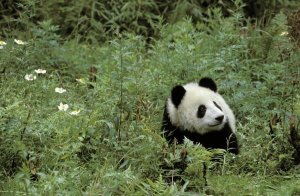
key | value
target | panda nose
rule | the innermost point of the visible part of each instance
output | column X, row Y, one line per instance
column 220, row 118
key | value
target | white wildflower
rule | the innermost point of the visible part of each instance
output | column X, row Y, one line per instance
column 30, row 77
column 19, row 42
column 75, row 112
column 60, row 90
column 40, row 71
column 63, row 107
column 2, row 43
column 284, row 33
column 81, row 80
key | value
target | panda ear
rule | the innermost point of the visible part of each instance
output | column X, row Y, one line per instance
column 208, row 83
column 177, row 94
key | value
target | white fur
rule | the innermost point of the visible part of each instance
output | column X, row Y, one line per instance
column 185, row 116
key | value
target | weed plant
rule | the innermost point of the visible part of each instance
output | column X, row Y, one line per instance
column 108, row 141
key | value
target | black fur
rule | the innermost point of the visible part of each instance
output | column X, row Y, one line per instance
column 177, row 94
column 201, row 111
column 224, row 139
column 208, row 83
column 218, row 106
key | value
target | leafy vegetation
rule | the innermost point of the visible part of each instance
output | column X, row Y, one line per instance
column 98, row 21
column 108, row 140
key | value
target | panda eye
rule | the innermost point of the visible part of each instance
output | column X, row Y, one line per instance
column 201, row 111
column 218, row 106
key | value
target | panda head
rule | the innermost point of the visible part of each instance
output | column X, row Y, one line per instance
column 197, row 107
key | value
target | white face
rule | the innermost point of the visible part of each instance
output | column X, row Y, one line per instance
column 200, row 110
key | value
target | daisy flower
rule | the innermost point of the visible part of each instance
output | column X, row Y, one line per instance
column 19, row 42
column 60, row 90
column 30, row 77
column 75, row 112
column 284, row 33
column 2, row 44
column 63, row 107
column 81, row 80
column 40, row 71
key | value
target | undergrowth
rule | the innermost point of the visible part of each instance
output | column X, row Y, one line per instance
column 109, row 140
column 98, row 21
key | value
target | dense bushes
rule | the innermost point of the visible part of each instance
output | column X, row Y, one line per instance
column 94, row 21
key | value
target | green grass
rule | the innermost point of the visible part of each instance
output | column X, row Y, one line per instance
column 114, row 145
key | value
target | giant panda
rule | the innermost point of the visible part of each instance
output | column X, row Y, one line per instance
column 198, row 112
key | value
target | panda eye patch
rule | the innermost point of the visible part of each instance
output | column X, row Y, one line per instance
column 218, row 106
column 201, row 111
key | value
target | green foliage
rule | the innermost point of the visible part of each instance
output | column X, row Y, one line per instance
column 114, row 144
column 98, row 21
column 297, row 106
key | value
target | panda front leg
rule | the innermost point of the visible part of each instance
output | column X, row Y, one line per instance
column 170, row 132
column 232, row 143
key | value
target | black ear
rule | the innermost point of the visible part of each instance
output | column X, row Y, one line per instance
column 177, row 94
column 208, row 83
